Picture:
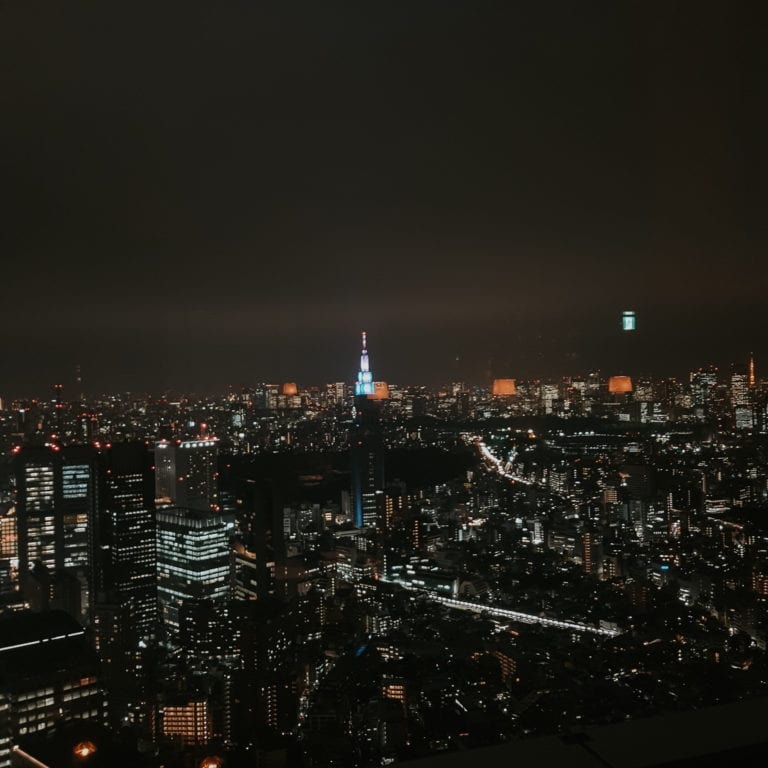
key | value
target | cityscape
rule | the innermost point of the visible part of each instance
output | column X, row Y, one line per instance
column 369, row 573
column 383, row 384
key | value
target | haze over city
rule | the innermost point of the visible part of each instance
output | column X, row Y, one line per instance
column 227, row 194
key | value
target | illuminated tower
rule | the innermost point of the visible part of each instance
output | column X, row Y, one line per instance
column 364, row 384
column 751, row 369
column 367, row 464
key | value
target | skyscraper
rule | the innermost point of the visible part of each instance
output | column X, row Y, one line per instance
column 124, row 581
column 197, row 473
column 55, row 507
column 740, row 387
column 187, row 473
column 35, row 472
column 125, row 570
column 366, row 449
column 192, row 560
column 703, row 386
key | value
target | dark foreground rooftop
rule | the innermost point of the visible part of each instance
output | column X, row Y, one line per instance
column 731, row 734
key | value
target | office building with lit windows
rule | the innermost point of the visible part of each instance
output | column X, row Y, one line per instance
column 739, row 386
column 188, row 722
column 125, row 569
column 49, row 674
column 186, row 473
column 125, row 612
column 703, row 386
column 193, row 560
column 55, row 509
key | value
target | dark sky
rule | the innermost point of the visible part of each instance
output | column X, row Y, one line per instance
column 203, row 194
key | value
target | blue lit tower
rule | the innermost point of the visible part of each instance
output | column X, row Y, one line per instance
column 364, row 384
column 366, row 452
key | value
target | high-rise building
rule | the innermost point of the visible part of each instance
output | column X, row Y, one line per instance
column 186, row 473
column 189, row 722
column 9, row 552
column 395, row 505
column 703, row 386
column 55, row 508
column 591, row 550
column 165, row 472
column 256, row 502
column 740, row 389
column 367, row 468
column 197, row 474
column 35, row 474
column 125, row 569
column 193, row 560
column 125, row 612
column 366, row 449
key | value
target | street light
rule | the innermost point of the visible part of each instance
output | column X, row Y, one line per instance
column 84, row 749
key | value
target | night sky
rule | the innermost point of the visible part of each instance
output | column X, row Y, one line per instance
column 197, row 195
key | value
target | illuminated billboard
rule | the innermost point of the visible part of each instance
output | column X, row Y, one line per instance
column 628, row 320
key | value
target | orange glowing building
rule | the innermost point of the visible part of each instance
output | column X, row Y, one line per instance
column 290, row 389
column 504, row 387
column 380, row 391
column 189, row 722
column 619, row 385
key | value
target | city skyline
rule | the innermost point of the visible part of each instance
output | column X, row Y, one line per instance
column 549, row 363
column 396, row 567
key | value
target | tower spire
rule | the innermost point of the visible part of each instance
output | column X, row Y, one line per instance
column 364, row 385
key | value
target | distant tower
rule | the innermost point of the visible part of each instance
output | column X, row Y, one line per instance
column 751, row 369
column 366, row 449
column 79, row 381
column 364, row 384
